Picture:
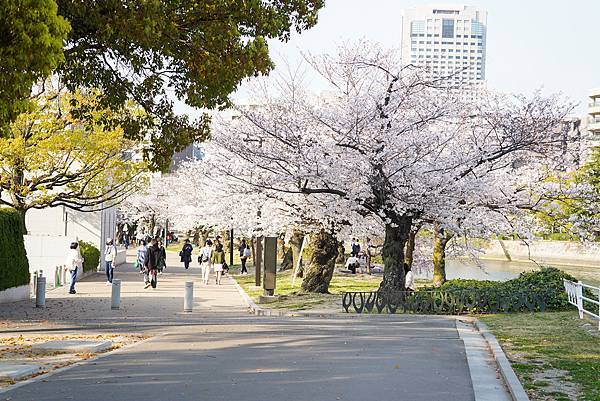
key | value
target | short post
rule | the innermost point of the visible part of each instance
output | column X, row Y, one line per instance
column 579, row 292
column 57, row 282
column 40, row 292
column 188, row 299
column 115, row 299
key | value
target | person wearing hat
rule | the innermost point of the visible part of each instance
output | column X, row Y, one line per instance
column 110, row 257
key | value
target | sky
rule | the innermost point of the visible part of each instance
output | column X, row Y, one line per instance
column 552, row 45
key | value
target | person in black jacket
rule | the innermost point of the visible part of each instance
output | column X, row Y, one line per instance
column 162, row 262
column 152, row 263
column 186, row 254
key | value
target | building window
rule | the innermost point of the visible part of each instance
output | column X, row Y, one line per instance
column 448, row 28
column 417, row 27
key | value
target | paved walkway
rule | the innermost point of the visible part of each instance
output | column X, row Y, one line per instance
column 220, row 352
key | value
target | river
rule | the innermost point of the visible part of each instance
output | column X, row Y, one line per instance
column 498, row 270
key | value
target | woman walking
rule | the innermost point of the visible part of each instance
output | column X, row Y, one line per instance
column 74, row 262
column 142, row 253
column 162, row 262
column 151, row 264
column 244, row 254
column 110, row 258
column 218, row 260
column 204, row 258
column 186, row 254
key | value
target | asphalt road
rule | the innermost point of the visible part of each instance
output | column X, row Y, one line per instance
column 258, row 359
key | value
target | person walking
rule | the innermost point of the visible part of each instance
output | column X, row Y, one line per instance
column 204, row 258
column 218, row 260
column 74, row 262
column 151, row 264
column 162, row 262
column 409, row 279
column 355, row 247
column 142, row 252
column 244, row 254
column 110, row 258
column 186, row 254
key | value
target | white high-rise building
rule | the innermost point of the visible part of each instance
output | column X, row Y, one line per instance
column 448, row 40
column 594, row 113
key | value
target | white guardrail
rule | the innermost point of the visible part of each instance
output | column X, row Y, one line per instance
column 577, row 298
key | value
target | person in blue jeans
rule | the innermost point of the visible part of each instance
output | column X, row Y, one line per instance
column 74, row 262
column 110, row 257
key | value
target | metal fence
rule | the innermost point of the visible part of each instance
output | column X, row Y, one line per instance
column 483, row 300
column 579, row 295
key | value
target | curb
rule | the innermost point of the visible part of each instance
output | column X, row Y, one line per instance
column 76, row 364
column 511, row 380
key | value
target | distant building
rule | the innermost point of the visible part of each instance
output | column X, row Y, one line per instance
column 447, row 40
column 192, row 152
column 594, row 114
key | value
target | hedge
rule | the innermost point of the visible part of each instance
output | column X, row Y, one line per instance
column 91, row 256
column 546, row 283
column 14, row 266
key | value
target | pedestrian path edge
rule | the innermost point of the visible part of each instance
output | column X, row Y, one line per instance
column 511, row 380
column 76, row 364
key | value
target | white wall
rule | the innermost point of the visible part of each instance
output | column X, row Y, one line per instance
column 14, row 294
column 46, row 252
column 57, row 221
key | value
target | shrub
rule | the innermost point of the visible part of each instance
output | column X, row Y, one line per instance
column 14, row 266
column 541, row 289
column 91, row 256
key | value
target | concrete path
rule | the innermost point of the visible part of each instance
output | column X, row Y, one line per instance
column 220, row 352
column 141, row 309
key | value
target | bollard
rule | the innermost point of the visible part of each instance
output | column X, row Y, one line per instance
column 188, row 299
column 40, row 292
column 115, row 300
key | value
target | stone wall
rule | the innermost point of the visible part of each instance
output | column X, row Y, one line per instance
column 560, row 252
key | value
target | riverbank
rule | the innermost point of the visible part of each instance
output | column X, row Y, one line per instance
column 556, row 355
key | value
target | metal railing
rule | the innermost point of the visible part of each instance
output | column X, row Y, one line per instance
column 579, row 295
column 457, row 302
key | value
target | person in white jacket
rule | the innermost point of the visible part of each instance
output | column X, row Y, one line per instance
column 74, row 263
column 110, row 257
column 204, row 258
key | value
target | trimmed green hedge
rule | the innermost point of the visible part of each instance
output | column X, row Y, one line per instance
column 14, row 266
column 547, row 282
column 91, row 256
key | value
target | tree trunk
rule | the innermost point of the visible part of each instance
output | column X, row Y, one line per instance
column 410, row 245
column 396, row 236
column 321, row 254
column 280, row 248
column 296, row 246
column 287, row 261
column 22, row 213
column 440, row 240
column 341, row 259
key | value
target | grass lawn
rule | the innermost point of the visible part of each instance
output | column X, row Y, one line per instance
column 292, row 298
column 555, row 354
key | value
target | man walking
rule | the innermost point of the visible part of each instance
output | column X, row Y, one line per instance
column 110, row 257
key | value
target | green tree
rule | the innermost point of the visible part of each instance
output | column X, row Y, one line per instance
column 198, row 50
column 31, row 47
column 51, row 158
